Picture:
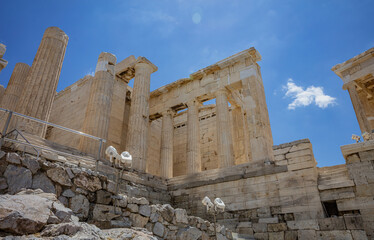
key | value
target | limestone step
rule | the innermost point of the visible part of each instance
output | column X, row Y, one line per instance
column 72, row 155
column 238, row 236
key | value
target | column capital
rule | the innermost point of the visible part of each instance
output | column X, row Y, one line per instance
column 221, row 91
column 168, row 111
column 193, row 102
column 142, row 61
column 106, row 63
column 56, row 33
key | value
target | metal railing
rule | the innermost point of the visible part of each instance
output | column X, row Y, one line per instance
column 12, row 113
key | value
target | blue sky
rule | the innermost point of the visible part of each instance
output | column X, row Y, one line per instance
column 299, row 42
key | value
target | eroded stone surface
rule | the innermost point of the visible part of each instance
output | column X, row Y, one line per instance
column 60, row 176
column 43, row 182
column 80, row 206
column 17, row 178
column 88, row 182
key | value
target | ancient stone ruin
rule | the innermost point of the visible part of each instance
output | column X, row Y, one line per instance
column 57, row 182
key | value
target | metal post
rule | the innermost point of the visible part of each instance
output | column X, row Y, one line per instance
column 215, row 220
column 5, row 128
column 99, row 155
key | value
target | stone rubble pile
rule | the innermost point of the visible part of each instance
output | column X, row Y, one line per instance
column 66, row 194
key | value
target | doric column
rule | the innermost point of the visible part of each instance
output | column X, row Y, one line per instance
column 139, row 114
column 224, row 137
column 193, row 138
column 42, row 79
column 358, row 107
column 257, row 119
column 167, row 133
column 15, row 86
column 96, row 120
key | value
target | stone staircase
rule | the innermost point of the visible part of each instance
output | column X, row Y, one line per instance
column 50, row 150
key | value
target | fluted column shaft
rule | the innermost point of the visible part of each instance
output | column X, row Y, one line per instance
column 224, row 136
column 42, row 79
column 15, row 86
column 167, row 134
column 137, row 137
column 193, row 138
column 96, row 121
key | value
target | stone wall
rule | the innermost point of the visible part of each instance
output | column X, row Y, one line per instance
column 276, row 200
column 93, row 199
column 360, row 164
column 69, row 109
column 289, row 198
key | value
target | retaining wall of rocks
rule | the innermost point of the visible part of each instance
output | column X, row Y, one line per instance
column 91, row 197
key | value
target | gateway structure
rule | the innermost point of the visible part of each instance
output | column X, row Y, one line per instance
column 184, row 149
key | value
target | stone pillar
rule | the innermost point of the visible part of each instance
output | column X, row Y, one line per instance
column 15, row 86
column 193, row 138
column 3, row 62
column 42, row 79
column 96, row 121
column 167, row 133
column 358, row 107
column 2, row 91
column 137, row 136
column 224, row 137
column 257, row 118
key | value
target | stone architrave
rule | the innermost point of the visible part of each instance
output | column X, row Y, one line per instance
column 15, row 86
column 137, row 137
column 96, row 121
column 193, row 137
column 41, row 83
column 167, row 133
column 224, row 137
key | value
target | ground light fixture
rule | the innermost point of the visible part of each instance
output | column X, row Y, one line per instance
column 214, row 208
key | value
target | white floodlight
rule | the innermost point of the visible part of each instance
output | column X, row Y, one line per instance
column 126, row 158
column 207, row 202
column 219, row 204
column 111, row 152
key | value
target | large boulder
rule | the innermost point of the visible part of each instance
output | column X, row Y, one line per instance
column 77, row 229
column 17, row 178
column 29, row 211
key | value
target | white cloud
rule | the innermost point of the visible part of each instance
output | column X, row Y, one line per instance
column 308, row 96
